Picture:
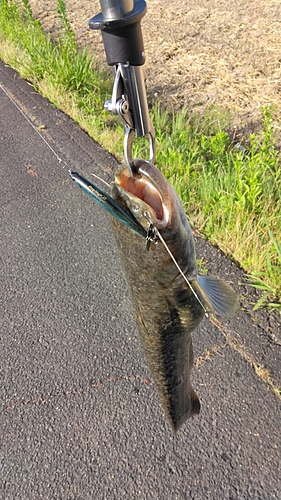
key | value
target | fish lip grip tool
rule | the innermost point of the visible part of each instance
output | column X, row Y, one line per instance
column 120, row 25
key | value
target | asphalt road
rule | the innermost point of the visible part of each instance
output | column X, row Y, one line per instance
column 80, row 418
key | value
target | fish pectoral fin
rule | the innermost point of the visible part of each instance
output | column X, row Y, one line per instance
column 218, row 295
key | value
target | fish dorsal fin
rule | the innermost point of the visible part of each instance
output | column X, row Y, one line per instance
column 217, row 294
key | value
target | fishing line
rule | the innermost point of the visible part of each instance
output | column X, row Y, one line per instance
column 33, row 126
column 178, row 267
column 102, row 180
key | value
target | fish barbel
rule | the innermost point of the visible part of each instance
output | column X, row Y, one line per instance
column 166, row 307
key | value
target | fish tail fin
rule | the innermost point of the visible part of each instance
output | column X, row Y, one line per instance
column 195, row 403
column 218, row 295
column 191, row 409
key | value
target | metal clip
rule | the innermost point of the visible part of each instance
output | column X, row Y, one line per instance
column 151, row 237
column 128, row 146
column 119, row 104
column 130, row 104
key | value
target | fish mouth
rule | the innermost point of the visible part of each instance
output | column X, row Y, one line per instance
column 141, row 193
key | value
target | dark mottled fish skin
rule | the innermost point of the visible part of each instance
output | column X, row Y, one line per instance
column 166, row 312
column 165, row 308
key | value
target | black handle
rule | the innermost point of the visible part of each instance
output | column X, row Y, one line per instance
column 121, row 31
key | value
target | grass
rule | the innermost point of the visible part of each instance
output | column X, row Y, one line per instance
column 232, row 195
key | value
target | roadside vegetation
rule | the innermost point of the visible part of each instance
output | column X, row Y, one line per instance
column 231, row 192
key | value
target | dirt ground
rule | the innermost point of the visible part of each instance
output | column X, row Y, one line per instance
column 200, row 52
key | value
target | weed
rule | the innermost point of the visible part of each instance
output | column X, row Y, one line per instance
column 258, row 280
column 232, row 196
column 202, row 266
